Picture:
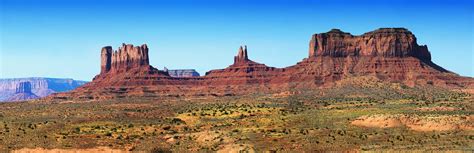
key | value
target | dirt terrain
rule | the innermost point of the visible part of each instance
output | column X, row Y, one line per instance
column 378, row 91
column 91, row 150
column 418, row 123
column 361, row 115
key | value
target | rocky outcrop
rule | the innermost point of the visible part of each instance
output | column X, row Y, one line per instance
column 387, row 54
column 242, row 56
column 22, row 93
column 123, row 59
column 242, row 72
column 128, row 61
column 39, row 86
column 385, row 42
column 106, row 59
column 183, row 73
column 391, row 54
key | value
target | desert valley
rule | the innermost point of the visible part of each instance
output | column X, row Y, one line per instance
column 379, row 91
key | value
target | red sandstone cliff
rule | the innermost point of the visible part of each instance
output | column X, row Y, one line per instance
column 389, row 54
column 126, row 61
column 384, row 42
column 125, row 58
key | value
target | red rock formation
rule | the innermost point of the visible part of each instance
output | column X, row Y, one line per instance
column 127, row 57
column 390, row 54
column 243, row 71
column 242, row 56
column 106, row 59
column 386, row 42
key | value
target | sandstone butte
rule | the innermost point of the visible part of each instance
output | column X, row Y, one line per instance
column 389, row 54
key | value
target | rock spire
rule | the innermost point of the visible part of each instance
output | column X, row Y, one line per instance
column 242, row 56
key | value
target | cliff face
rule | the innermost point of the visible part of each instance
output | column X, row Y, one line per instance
column 127, row 66
column 385, row 42
column 22, row 92
column 391, row 54
column 23, row 87
column 39, row 86
column 123, row 59
column 388, row 54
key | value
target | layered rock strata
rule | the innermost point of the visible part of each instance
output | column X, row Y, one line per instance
column 123, row 59
column 384, row 42
column 23, row 92
column 388, row 54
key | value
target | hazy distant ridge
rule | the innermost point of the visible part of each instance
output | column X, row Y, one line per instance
column 39, row 86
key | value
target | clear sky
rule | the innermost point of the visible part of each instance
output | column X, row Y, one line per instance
column 63, row 38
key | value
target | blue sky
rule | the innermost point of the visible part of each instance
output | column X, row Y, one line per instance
column 52, row 38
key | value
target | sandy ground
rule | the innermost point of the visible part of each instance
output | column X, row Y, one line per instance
column 237, row 148
column 91, row 150
column 417, row 123
column 437, row 108
column 471, row 91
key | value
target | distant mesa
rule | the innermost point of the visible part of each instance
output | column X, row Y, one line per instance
column 40, row 87
column 182, row 73
column 388, row 54
column 23, row 87
column 23, row 92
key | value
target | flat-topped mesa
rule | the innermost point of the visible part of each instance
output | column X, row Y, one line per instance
column 22, row 92
column 242, row 56
column 183, row 73
column 125, row 58
column 23, row 87
column 386, row 42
